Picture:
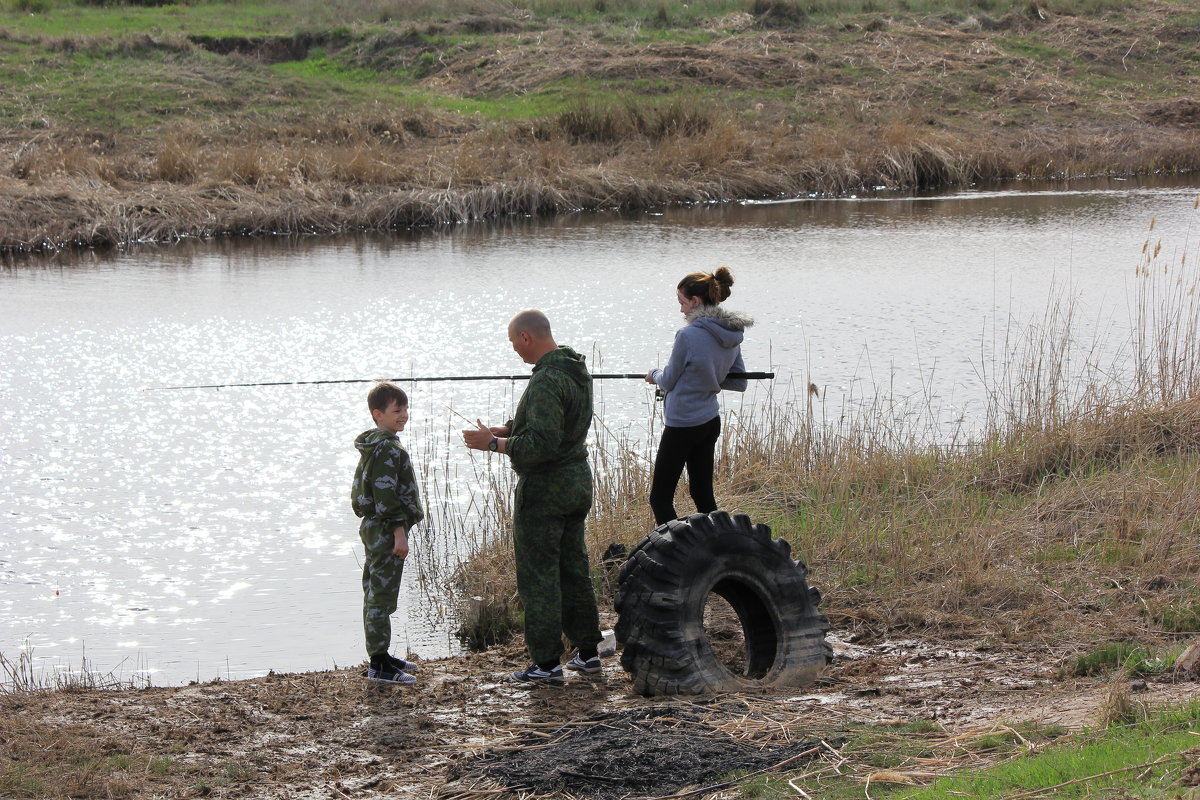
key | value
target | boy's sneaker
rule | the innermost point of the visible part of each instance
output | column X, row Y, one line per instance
column 386, row 673
column 534, row 673
column 401, row 665
column 591, row 666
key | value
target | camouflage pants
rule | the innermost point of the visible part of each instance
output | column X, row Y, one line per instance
column 381, row 584
column 553, row 577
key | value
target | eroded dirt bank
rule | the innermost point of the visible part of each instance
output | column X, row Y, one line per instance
column 466, row 732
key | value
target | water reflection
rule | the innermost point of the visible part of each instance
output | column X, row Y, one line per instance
column 187, row 535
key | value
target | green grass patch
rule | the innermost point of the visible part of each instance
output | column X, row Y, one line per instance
column 675, row 36
column 1179, row 617
column 588, row 103
column 160, row 766
column 119, row 92
column 506, row 107
column 1034, row 48
column 108, row 94
column 1132, row 658
column 1142, row 760
column 1057, row 554
column 319, row 67
column 866, row 749
column 64, row 19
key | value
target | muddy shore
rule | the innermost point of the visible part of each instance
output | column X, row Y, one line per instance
column 464, row 731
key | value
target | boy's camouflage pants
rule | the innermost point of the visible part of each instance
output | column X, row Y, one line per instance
column 381, row 584
column 553, row 578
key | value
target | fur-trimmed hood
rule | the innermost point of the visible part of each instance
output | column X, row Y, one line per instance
column 726, row 327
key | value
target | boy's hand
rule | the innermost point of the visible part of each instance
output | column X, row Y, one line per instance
column 400, row 549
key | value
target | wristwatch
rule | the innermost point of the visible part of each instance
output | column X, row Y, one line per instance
column 494, row 444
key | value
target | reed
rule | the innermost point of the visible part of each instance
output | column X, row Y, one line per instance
column 21, row 676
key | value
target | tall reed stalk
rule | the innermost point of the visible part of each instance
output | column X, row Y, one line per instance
column 22, row 675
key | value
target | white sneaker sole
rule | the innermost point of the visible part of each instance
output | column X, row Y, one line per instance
column 584, row 670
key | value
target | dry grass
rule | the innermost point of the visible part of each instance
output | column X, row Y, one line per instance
column 47, row 759
column 375, row 173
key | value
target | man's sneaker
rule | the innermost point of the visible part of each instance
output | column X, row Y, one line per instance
column 534, row 673
column 386, row 673
column 591, row 666
column 401, row 665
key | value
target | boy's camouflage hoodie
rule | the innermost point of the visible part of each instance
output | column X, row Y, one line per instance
column 385, row 488
column 553, row 416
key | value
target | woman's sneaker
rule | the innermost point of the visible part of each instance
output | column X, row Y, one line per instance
column 386, row 673
column 590, row 666
column 534, row 673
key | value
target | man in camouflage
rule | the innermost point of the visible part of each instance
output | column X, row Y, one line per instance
column 385, row 495
column 545, row 443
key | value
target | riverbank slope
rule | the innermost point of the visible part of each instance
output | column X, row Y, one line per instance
column 125, row 124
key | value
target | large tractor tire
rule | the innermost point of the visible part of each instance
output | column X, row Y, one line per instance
column 667, row 583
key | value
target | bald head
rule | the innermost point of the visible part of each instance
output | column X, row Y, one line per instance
column 531, row 321
column 529, row 333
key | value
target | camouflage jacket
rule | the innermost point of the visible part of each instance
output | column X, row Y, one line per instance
column 385, row 487
column 553, row 415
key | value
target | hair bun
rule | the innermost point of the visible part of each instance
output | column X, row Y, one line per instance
column 722, row 280
column 711, row 287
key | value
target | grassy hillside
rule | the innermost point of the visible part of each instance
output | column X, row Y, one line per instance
column 126, row 122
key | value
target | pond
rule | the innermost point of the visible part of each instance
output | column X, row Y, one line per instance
column 177, row 535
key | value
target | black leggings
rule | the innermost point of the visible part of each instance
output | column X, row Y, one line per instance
column 692, row 447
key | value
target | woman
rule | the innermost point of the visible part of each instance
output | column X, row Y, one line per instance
column 706, row 350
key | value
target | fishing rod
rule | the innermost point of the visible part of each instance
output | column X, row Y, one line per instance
column 750, row 376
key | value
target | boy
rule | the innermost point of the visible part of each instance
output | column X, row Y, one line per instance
column 386, row 496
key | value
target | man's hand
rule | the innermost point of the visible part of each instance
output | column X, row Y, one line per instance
column 400, row 548
column 650, row 376
column 479, row 438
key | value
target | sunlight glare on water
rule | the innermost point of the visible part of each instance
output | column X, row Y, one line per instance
column 187, row 535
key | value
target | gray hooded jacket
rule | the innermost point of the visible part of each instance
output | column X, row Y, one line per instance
column 705, row 351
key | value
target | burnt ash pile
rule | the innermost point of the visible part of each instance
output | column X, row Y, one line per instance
column 642, row 752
